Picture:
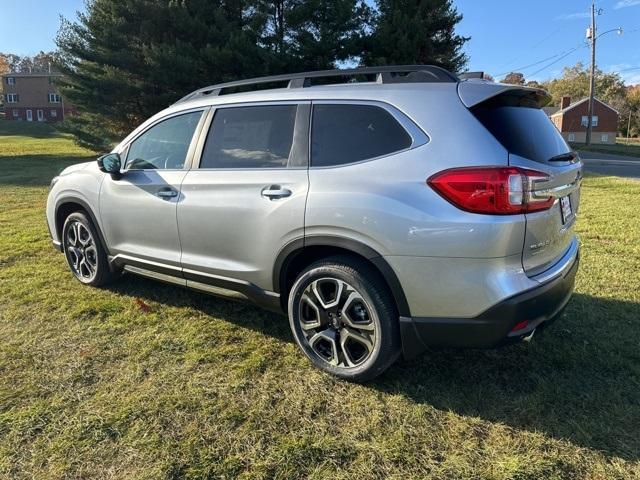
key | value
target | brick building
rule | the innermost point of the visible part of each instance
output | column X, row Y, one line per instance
column 572, row 120
column 33, row 97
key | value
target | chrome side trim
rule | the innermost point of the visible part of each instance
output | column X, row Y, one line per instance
column 219, row 291
column 562, row 266
column 155, row 275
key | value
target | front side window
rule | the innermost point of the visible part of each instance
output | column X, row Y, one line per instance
column 11, row 81
column 250, row 137
column 165, row 145
column 16, row 113
column 54, row 113
column 54, row 98
column 346, row 133
column 12, row 98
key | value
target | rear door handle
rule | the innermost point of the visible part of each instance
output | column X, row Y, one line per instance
column 275, row 191
column 167, row 193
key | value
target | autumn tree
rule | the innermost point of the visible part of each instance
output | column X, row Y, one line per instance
column 514, row 78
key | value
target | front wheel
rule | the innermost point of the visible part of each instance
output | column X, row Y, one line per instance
column 85, row 254
column 344, row 319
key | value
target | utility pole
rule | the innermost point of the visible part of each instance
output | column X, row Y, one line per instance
column 592, row 36
column 629, row 126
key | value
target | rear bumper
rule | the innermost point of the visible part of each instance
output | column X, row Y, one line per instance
column 494, row 326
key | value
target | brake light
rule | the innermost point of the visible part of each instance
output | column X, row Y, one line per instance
column 491, row 190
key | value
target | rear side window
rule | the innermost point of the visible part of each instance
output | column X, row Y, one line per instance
column 250, row 137
column 344, row 133
column 525, row 130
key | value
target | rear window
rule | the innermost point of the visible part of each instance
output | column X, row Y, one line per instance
column 250, row 137
column 523, row 130
column 343, row 133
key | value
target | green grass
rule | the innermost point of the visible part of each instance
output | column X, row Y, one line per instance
column 146, row 380
column 629, row 148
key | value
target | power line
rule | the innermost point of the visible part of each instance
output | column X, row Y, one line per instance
column 582, row 45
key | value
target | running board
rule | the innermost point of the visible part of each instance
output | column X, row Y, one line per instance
column 224, row 287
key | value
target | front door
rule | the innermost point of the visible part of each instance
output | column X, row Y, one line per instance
column 138, row 208
column 246, row 198
column 40, row 114
column 29, row 115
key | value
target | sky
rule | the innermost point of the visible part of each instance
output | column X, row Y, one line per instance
column 543, row 36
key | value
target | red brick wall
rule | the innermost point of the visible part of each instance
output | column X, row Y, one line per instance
column 571, row 121
column 11, row 111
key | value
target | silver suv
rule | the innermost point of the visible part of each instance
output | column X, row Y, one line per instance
column 385, row 210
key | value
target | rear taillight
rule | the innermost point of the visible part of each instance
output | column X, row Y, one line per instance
column 491, row 190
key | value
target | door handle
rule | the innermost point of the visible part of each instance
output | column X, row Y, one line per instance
column 167, row 193
column 275, row 191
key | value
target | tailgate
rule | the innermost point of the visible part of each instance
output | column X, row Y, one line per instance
column 549, row 233
column 514, row 116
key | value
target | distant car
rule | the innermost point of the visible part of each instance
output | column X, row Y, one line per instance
column 408, row 210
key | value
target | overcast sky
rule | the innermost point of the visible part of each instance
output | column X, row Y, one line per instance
column 541, row 36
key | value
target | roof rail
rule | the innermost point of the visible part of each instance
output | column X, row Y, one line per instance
column 387, row 74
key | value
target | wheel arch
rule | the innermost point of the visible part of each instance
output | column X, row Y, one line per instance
column 299, row 253
column 65, row 206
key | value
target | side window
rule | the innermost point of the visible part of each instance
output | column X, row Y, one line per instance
column 250, row 137
column 165, row 145
column 345, row 133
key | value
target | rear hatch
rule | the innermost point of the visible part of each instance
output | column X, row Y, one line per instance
column 514, row 116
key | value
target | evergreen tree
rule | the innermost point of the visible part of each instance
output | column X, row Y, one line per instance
column 416, row 32
column 305, row 35
column 124, row 60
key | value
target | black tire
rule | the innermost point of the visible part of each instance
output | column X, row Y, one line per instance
column 84, row 252
column 369, row 342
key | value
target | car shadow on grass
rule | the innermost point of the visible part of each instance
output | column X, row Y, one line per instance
column 579, row 380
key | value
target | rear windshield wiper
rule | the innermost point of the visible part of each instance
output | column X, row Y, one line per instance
column 564, row 157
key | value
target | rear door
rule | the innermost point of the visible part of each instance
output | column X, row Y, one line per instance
column 246, row 198
column 517, row 121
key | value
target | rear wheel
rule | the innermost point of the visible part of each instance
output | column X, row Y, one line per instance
column 85, row 254
column 344, row 318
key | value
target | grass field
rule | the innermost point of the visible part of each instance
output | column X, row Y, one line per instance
column 629, row 148
column 145, row 380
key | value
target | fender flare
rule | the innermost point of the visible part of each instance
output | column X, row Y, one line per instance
column 297, row 246
column 86, row 208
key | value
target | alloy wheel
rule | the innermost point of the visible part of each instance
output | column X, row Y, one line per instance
column 336, row 322
column 81, row 251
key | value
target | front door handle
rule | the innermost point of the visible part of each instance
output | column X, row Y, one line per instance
column 167, row 193
column 275, row 191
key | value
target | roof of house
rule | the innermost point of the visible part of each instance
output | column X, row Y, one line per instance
column 580, row 102
column 550, row 110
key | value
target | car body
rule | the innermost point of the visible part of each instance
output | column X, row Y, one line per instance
column 379, row 171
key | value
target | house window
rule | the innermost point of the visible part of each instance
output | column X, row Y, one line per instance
column 53, row 113
column 54, row 98
column 585, row 121
column 12, row 98
column 16, row 113
column 572, row 137
column 604, row 137
column 11, row 81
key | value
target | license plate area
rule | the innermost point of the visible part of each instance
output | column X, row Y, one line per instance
column 565, row 209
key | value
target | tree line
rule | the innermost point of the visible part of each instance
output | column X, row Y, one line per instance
column 124, row 60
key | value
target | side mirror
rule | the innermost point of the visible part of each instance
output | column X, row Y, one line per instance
column 110, row 163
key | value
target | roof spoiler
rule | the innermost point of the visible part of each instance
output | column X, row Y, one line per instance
column 474, row 93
